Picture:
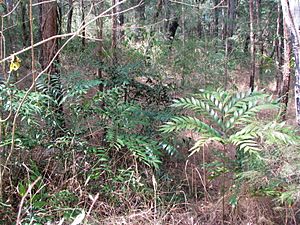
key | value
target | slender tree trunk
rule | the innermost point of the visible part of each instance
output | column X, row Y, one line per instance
column 231, row 4
column 224, row 20
column 199, row 28
column 252, row 44
column 231, row 14
column 120, row 21
column 285, row 87
column 216, row 18
column 278, row 49
column 114, row 33
column 24, row 27
column 32, row 42
column 291, row 15
column 99, row 54
column 83, row 23
column 259, row 35
column 139, row 18
column 70, row 17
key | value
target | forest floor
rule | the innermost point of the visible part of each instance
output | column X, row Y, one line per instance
column 201, row 201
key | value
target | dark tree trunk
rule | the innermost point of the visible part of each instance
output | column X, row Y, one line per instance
column 231, row 14
column 173, row 25
column 139, row 18
column 114, row 33
column 24, row 27
column 216, row 18
column 49, row 28
column 70, row 17
column 252, row 44
column 259, row 34
column 83, row 23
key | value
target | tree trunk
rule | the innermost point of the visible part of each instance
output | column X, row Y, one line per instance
column 231, row 14
column 139, row 18
column 24, row 27
column 285, row 86
column 49, row 28
column 216, row 18
column 252, row 44
column 120, row 21
column 83, row 23
column 173, row 25
column 291, row 15
column 70, row 17
column 99, row 54
column 259, row 35
column 114, row 33
column 278, row 49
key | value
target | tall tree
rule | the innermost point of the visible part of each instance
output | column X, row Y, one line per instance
column 285, row 84
column 120, row 20
column 114, row 32
column 140, row 17
column 70, row 16
column 83, row 23
column 216, row 18
column 291, row 15
column 252, row 44
column 99, row 53
column 278, row 48
column 49, row 28
column 24, row 23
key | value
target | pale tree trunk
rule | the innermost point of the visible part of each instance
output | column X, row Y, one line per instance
column 291, row 15
column 286, row 74
column 120, row 21
column 252, row 44
column 278, row 49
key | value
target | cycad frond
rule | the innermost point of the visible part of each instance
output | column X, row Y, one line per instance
column 189, row 123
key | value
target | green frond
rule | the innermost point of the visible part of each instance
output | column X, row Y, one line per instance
column 188, row 123
column 203, row 142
